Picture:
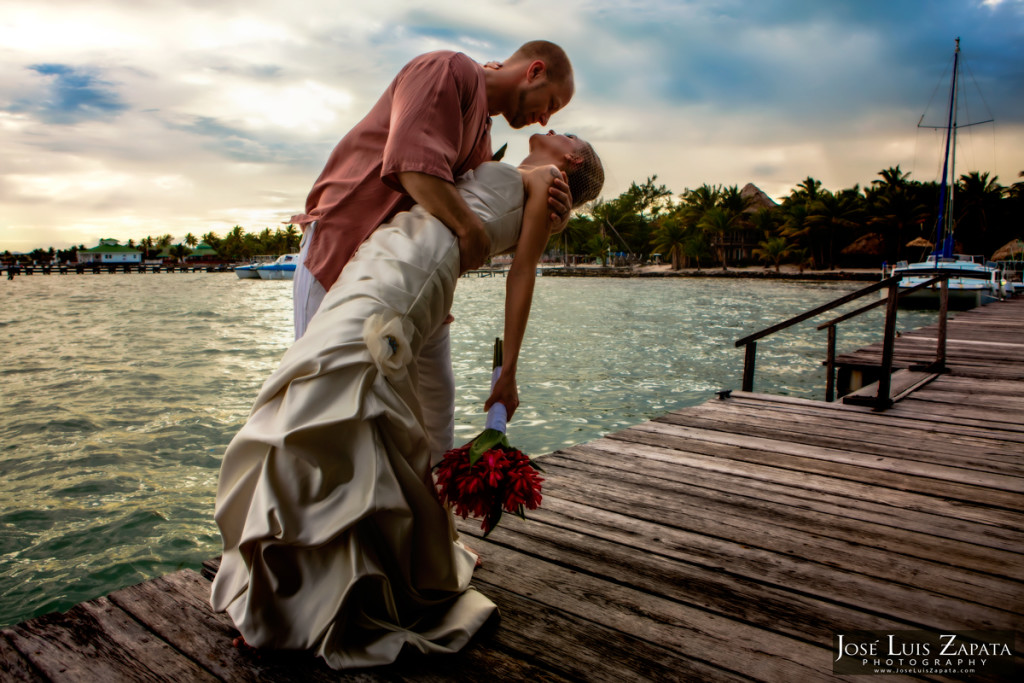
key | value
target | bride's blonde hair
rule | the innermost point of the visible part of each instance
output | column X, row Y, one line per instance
column 586, row 177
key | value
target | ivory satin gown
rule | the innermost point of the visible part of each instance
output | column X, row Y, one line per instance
column 334, row 539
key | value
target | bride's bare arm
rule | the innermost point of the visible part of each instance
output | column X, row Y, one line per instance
column 522, row 274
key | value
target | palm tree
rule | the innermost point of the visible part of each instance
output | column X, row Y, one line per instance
column 772, row 250
column 292, row 239
column 146, row 244
column 599, row 246
column 180, row 251
column 669, row 238
column 765, row 221
column 191, row 240
column 830, row 213
column 716, row 223
column 1016, row 191
column 897, row 208
column 572, row 239
column 807, row 191
column 977, row 201
column 696, row 246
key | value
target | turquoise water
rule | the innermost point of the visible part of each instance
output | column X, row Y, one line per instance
column 119, row 393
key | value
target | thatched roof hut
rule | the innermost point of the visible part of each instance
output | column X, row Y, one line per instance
column 1011, row 251
column 756, row 198
column 869, row 244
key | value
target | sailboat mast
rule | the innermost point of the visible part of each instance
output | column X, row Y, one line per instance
column 944, row 223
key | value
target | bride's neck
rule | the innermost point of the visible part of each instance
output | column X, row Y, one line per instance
column 531, row 162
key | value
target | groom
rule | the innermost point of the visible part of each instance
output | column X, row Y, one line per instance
column 430, row 126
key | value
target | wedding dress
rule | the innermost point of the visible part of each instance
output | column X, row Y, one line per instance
column 334, row 539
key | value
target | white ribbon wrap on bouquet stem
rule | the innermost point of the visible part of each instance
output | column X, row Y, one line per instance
column 497, row 416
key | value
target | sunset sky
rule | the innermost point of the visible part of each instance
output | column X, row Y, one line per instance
column 127, row 118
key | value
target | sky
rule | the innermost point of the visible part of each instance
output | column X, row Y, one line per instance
column 127, row 118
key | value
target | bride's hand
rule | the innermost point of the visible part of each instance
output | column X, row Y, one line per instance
column 560, row 202
column 505, row 391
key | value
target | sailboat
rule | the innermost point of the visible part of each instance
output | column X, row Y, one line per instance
column 973, row 281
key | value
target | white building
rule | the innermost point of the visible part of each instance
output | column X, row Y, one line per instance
column 110, row 251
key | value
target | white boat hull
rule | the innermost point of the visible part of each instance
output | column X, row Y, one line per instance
column 971, row 284
column 281, row 269
column 276, row 273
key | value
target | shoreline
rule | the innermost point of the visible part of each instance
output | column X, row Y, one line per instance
column 750, row 272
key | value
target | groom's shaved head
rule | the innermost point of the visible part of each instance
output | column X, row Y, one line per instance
column 556, row 62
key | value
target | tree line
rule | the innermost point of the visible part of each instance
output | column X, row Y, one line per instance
column 892, row 219
column 236, row 245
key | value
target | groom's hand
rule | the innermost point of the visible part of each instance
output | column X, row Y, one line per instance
column 443, row 201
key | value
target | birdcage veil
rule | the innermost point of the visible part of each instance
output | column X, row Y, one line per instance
column 587, row 178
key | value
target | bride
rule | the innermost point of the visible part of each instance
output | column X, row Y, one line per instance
column 334, row 538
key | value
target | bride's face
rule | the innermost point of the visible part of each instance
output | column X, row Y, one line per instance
column 552, row 147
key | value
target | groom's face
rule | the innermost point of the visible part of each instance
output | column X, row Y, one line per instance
column 537, row 100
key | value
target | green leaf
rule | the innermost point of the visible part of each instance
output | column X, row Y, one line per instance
column 488, row 439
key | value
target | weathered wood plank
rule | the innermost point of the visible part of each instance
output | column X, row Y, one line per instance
column 681, row 629
column 912, row 422
column 913, row 604
column 588, row 651
column 985, row 484
column 14, row 666
column 97, row 641
column 781, row 513
column 770, row 529
column 987, row 455
column 911, row 533
column 846, row 417
column 176, row 607
column 614, row 555
column 1007, row 522
column 814, row 461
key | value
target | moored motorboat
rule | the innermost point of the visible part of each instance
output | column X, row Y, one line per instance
column 281, row 269
column 247, row 272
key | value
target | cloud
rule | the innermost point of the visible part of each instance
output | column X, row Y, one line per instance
column 154, row 117
column 68, row 95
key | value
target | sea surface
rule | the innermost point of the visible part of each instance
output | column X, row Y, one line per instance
column 118, row 394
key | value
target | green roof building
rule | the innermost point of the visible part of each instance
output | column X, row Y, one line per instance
column 202, row 251
column 109, row 251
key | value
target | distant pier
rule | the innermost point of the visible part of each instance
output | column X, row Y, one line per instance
column 11, row 271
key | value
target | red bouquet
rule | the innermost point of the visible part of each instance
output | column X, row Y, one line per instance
column 487, row 477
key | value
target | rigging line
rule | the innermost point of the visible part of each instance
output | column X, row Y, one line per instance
column 977, row 89
column 943, row 80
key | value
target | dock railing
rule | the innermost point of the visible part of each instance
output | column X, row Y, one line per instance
column 882, row 399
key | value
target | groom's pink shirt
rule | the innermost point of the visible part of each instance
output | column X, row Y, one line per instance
column 432, row 119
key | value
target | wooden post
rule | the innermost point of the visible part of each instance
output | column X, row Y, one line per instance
column 940, row 346
column 748, row 366
column 883, row 400
column 830, row 366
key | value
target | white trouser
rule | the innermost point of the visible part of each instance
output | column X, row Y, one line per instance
column 307, row 292
column 436, row 380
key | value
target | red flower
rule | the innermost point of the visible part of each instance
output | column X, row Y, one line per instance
column 503, row 479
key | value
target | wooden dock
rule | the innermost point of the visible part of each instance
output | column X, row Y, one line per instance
column 724, row 542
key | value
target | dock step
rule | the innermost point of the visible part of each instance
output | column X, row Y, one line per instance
column 903, row 382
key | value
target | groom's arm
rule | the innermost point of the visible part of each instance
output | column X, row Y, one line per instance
column 442, row 200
